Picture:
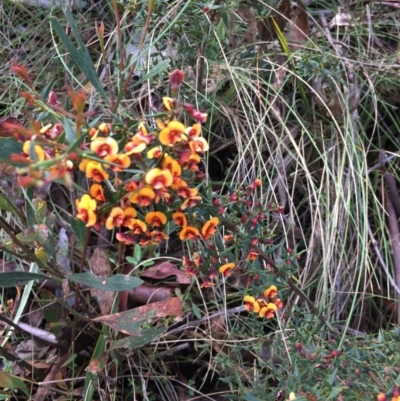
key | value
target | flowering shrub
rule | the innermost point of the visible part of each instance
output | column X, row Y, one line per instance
column 144, row 182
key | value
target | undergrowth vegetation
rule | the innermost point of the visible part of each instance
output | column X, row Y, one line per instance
column 199, row 201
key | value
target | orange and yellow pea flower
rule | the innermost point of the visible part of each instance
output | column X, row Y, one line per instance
column 83, row 164
column 209, row 228
column 38, row 151
column 179, row 183
column 271, row 292
column 189, row 233
column 184, row 191
column 142, row 129
column 137, row 226
column 155, row 153
column 158, row 178
column 143, row 136
column 194, row 131
column 103, row 129
column 104, row 146
column 134, row 146
column 126, row 238
column 265, row 306
column 168, row 102
column 143, row 196
column 115, row 219
column 131, row 186
column 86, row 207
column 120, row 162
column 172, row 133
column 161, row 194
column 192, row 163
column 95, row 171
column 172, row 165
column 251, row 304
column 268, row 311
column 129, row 214
column 179, row 219
column 199, row 145
column 96, row 192
column 226, row 269
column 156, row 219
column 190, row 202
column 158, row 236
column 161, row 124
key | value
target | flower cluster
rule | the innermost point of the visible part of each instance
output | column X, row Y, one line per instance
column 138, row 181
column 168, row 164
column 266, row 305
column 144, row 180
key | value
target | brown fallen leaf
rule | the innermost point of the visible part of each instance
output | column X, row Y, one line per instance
column 60, row 382
column 100, row 266
column 298, row 31
column 147, row 293
column 97, row 364
column 163, row 270
column 127, row 322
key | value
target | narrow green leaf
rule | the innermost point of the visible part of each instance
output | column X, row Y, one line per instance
column 221, row 30
column 6, row 205
column 78, row 141
column 69, row 132
column 16, row 279
column 137, row 252
column 146, row 337
column 118, row 282
column 79, row 229
column 30, row 211
column 156, row 70
column 80, row 55
column 196, row 311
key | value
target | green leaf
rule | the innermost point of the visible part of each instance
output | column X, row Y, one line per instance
column 69, row 132
column 40, row 210
column 156, row 70
column 196, row 311
column 9, row 146
column 79, row 229
column 80, row 55
column 98, row 350
column 78, row 141
column 137, row 252
column 118, row 282
column 146, row 337
column 7, row 206
column 132, row 260
column 16, row 279
column 13, row 383
column 221, row 30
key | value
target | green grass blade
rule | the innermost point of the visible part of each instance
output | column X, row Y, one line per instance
column 80, row 55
